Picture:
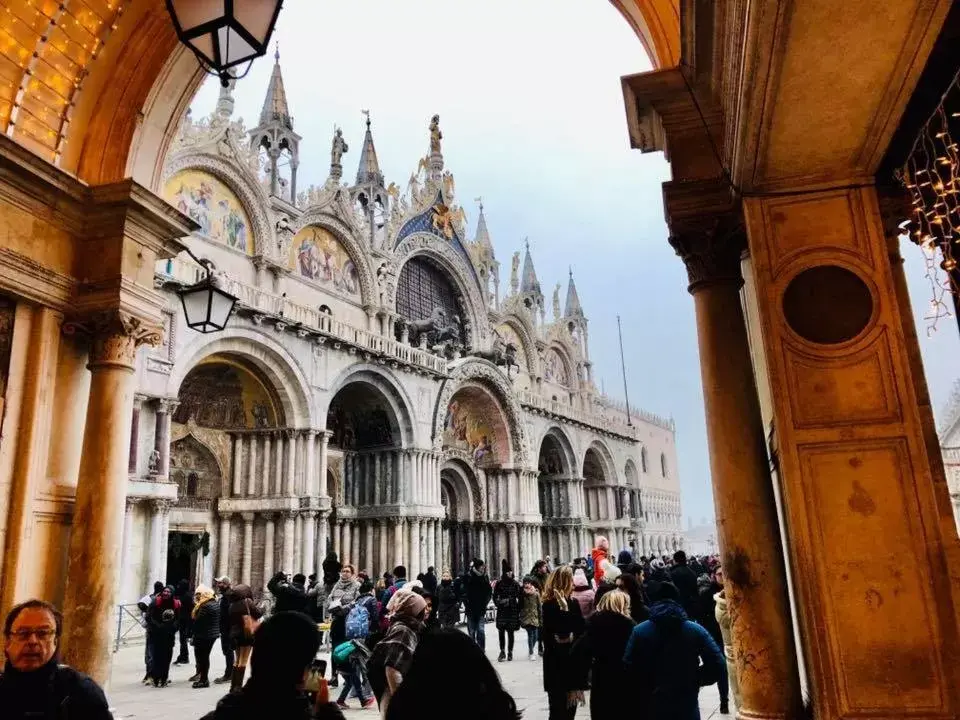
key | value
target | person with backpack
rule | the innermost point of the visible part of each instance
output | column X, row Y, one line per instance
column 363, row 617
column 342, row 596
column 351, row 657
column 33, row 684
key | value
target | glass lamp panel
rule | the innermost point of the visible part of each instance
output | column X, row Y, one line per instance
column 256, row 17
column 204, row 46
column 196, row 304
column 233, row 48
column 192, row 13
column 220, row 306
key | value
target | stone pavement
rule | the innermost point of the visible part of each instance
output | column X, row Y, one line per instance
column 130, row 699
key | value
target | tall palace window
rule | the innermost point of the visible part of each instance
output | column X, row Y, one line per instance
column 423, row 287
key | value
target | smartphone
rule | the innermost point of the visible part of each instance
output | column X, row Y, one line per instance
column 321, row 667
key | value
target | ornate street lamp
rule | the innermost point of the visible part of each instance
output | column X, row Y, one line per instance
column 225, row 33
column 206, row 306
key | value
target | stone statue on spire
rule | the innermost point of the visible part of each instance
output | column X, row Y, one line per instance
column 435, row 135
column 556, row 303
column 515, row 273
column 338, row 148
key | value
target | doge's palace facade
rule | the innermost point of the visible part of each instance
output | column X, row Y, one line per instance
column 375, row 393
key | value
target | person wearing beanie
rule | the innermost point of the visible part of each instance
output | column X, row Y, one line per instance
column 507, row 598
column 624, row 560
column 583, row 593
column 477, row 592
column 669, row 658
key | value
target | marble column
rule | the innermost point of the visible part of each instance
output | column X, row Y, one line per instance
column 310, row 484
column 290, row 479
column 252, row 466
column 431, row 544
column 309, row 564
column 155, row 569
column 413, row 531
column 438, row 555
column 93, row 571
column 278, row 463
column 246, row 568
column 266, row 459
column 324, row 444
column 382, row 554
column 356, row 544
column 269, row 549
column 513, row 535
column 223, row 546
column 369, row 562
column 297, row 543
column 347, row 543
column 377, row 478
column 743, row 491
column 237, row 472
column 398, row 541
column 323, row 538
column 135, row 433
column 289, row 528
column 482, row 550
column 338, row 539
column 165, row 408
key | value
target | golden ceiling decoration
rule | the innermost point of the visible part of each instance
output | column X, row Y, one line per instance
column 46, row 48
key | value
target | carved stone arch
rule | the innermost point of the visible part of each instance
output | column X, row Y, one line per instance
column 568, row 453
column 236, row 177
column 489, row 375
column 609, row 467
column 190, row 454
column 321, row 217
column 455, row 265
column 384, row 382
column 631, row 475
column 456, row 470
column 276, row 363
column 525, row 331
column 568, row 362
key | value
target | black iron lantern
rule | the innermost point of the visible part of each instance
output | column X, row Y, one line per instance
column 224, row 34
column 206, row 306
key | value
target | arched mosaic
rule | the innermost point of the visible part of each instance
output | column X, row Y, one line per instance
column 318, row 257
column 555, row 368
column 205, row 199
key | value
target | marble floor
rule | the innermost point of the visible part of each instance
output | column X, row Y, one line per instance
column 130, row 699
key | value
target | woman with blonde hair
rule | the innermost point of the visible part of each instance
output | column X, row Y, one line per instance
column 206, row 631
column 562, row 626
column 600, row 649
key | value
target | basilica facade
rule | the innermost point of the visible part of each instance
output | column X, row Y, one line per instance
column 376, row 393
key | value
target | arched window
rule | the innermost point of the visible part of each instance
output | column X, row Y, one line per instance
column 663, row 465
column 423, row 288
column 192, row 482
column 643, row 459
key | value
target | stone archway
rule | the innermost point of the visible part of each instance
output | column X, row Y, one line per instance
column 560, row 495
column 459, row 495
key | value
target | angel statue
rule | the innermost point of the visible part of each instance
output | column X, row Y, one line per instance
column 338, row 148
column 556, row 303
column 435, row 135
column 515, row 272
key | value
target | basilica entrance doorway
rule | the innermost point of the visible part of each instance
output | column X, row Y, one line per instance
column 560, row 496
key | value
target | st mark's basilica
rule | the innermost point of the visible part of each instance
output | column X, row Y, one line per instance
column 377, row 393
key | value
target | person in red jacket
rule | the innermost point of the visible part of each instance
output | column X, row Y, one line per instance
column 600, row 553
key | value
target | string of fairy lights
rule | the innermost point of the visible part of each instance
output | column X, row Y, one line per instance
column 931, row 174
column 46, row 47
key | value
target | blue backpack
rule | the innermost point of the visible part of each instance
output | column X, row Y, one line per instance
column 358, row 622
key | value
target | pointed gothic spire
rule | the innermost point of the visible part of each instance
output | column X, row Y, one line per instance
column 483, row 235
column 572, row 307
column 275, row 103
column 528, row 281
column 369, row 171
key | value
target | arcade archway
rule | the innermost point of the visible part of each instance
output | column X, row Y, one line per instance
column 560, row 496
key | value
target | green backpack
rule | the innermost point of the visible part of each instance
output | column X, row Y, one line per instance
column 343, row 651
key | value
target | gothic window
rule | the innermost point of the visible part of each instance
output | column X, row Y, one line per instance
column 422, row 288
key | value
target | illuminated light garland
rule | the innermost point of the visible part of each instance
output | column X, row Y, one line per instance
column 931, row 174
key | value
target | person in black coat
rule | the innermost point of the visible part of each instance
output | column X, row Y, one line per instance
column 599, row 651
column 223, row 586
column 290, row 596
column 185, row 597
column 206, row 631
column 476, row 593
column 685, row 581
column 638, row 599
column 507, row 598
column 562, row 626
column 448, row 602
column 430, row 581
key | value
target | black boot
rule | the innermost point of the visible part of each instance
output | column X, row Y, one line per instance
column 724, row 707
column 225, row 678
column 236, row 680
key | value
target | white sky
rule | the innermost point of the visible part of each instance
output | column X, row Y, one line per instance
column 530, row 105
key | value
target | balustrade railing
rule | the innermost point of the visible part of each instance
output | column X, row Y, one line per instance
column 555, row 407
column 268, row 303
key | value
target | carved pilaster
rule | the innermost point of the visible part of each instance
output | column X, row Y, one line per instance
column 114, row 336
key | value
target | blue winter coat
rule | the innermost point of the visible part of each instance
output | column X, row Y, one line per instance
column 663, row 654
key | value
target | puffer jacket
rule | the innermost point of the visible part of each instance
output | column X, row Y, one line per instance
column 448, row 610
column 206, row 620
column 506, row 597
column 530, row 610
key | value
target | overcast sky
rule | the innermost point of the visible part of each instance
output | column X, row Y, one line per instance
column 532, row 115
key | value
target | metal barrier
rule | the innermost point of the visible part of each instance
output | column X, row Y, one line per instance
column 130, row 629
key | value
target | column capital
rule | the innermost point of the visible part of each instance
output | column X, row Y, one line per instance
column 711, row 251
column 114, row 336
column 291, row 433
column 268, row 516
column 133, row 502
column 167, row 406
column 248, row 517
column 289, row 514
column 161, row 505
column 138, row 400
column 308, row 514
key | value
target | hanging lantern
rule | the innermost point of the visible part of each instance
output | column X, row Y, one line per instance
column 224, row 34
column 206, row 307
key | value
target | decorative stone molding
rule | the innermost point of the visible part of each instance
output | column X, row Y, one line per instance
column 486, row 373
column 115, row 336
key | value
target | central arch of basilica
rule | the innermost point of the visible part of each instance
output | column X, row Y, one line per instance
column 376, row 395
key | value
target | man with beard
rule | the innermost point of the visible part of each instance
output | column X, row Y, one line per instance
column 33, row 685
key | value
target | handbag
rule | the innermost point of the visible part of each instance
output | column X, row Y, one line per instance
column 250, row 623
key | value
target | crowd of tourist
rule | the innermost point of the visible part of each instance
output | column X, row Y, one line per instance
column 657, row 626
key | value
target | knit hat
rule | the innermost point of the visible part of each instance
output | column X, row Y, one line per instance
column 580, row 579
